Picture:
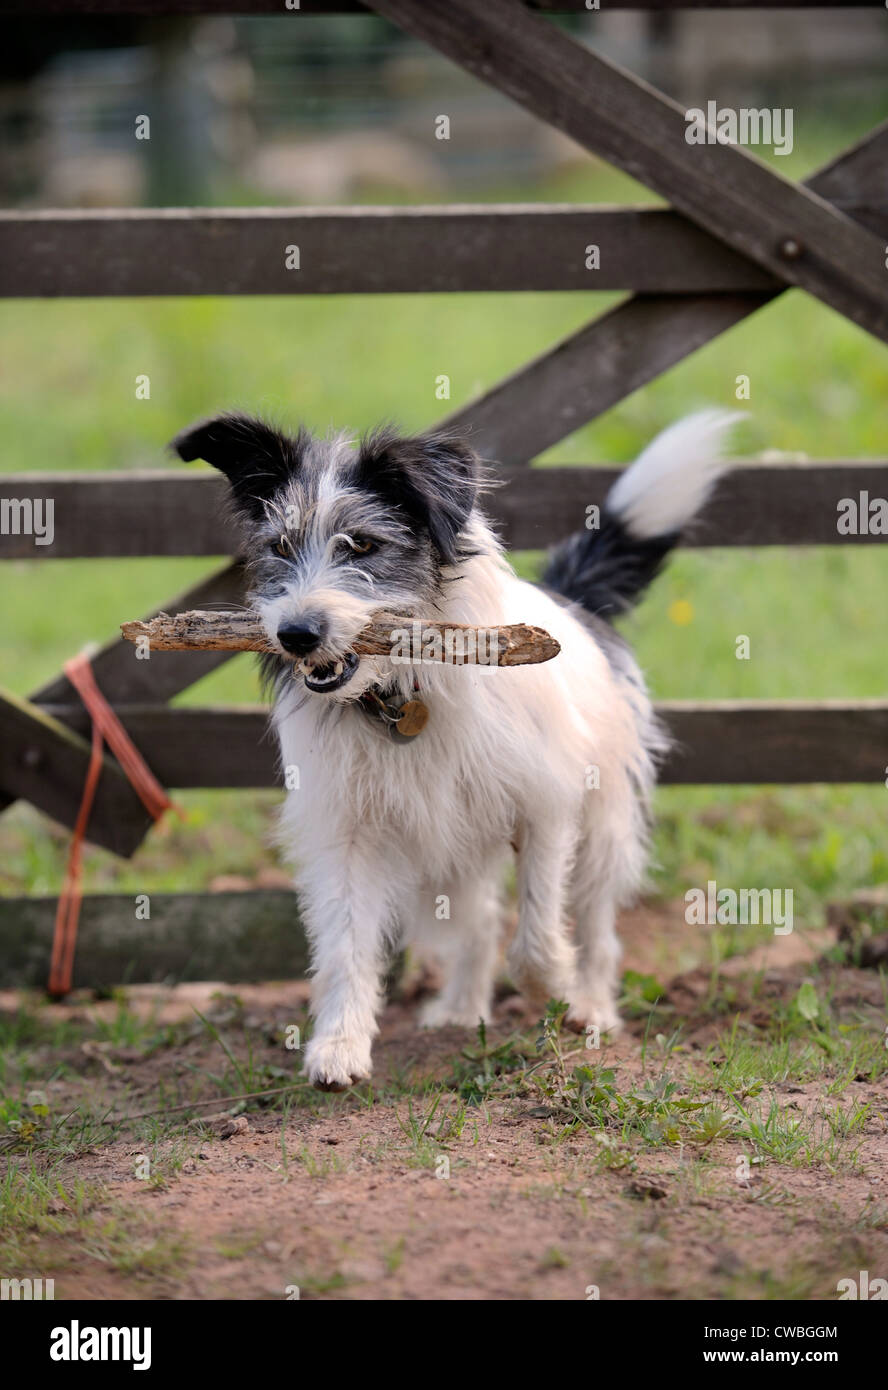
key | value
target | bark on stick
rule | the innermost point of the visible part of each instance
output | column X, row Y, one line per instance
column 407, row 640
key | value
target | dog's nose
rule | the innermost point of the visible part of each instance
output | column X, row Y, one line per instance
column 300, row 638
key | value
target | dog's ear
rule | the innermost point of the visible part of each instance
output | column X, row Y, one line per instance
column 433, row 478
column 256, row 458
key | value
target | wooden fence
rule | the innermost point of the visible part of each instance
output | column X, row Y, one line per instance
column 736, row 235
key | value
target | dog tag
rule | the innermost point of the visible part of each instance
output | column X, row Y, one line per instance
column 414, row 717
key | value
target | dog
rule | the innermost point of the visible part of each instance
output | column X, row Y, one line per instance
column 404, row 841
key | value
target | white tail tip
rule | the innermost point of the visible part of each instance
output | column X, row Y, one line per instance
column 673, row 477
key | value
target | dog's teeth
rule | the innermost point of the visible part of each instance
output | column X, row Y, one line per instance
column 337, row 669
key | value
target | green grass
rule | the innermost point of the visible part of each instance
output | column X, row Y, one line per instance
column 38, row 1209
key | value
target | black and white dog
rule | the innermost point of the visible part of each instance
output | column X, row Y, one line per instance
column 408, row 844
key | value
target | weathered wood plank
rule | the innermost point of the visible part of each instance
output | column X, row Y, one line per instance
column 373, row 250
column 793, row 741
column 108, row 514
column 45, row 762
column 84, row 505
column 726, row 741
column 757, row 504
column 189, row 936
column 785, row 227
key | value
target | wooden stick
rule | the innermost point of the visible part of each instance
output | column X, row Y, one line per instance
column 408, row 640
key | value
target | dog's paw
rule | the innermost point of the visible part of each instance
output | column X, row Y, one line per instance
column 438, row 1013
column 593, row 1011
column 334, row 1064
column 540, row 981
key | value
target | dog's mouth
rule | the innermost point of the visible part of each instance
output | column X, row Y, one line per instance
column 323, row 680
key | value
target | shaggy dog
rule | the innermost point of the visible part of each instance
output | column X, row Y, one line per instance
column 405, row 840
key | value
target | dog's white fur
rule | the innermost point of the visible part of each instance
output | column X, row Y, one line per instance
column 384, row 838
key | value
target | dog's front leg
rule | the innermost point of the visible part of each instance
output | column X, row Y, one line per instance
column 345, row 902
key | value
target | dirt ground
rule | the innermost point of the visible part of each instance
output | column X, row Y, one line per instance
column 731, row 1143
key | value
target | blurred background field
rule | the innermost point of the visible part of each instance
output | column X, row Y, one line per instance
column 255, row 127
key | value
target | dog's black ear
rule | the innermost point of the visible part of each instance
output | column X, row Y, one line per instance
column 256, row 458
column 433, row 478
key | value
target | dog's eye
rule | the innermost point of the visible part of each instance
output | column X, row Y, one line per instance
column 281, row 547
column 362, row 545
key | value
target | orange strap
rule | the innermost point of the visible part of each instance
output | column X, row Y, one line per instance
column 106, row 727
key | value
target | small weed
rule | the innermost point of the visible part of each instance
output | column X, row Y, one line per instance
column 553, row 1258
column 394, row 1256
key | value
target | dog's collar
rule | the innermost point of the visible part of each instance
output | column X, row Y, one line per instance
column 401, row 722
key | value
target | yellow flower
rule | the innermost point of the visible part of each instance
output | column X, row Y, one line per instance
column 681, row 612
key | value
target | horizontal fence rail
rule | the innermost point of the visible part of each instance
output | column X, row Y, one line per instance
column 173, row 512
column 723, row 741
column 244, row 251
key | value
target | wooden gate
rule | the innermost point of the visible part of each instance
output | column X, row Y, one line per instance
column 735, row 235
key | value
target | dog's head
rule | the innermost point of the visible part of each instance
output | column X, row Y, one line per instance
column 333, row 533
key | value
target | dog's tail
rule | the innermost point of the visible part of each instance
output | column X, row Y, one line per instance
column 607, row 569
